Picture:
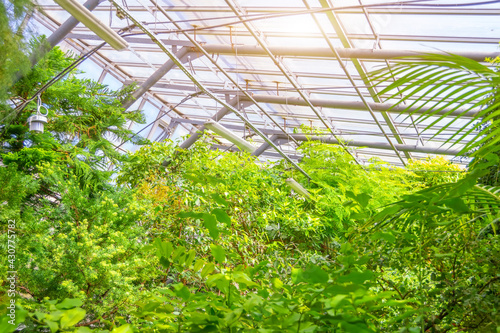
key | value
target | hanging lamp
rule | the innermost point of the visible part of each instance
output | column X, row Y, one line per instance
column 36, row 122
column 228, row 135
column 294, row 185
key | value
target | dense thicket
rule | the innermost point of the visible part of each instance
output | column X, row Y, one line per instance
column 217, row 242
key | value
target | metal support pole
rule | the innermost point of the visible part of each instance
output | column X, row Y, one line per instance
column 58, row 35
column 288, row 74
column 375, row 145
column 354, row 105
column 264, row 146
column 155, row 77
column 326, row 52
column 335, row 104
column 195, row 136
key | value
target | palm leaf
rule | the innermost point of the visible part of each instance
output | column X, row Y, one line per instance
column 448, row 83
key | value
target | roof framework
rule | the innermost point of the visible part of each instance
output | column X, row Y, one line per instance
column 266, row 69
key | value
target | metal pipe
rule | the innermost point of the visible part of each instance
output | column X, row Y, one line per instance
column 238, row 127
column 294, row 185
column 354, row 105
column 326, row 52
column 277, row 136
column 376, row 145
column 195, row 136
column 264, row 146
column 294, row 51
column 402, row 10
column 202, row 86
column 227, row 134
column 334, row 104
column 57, row 36
column 155, row 77
column 83, row 15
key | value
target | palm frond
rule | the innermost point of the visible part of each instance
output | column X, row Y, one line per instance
column 448, row 83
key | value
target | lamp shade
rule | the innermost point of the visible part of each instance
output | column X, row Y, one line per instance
column 36, row 122
column 297, row 188
column 227, row 134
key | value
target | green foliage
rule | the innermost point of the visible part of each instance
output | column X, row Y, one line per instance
column 450, row 229
column 85, row 117
column 65, row 316
column 15, row 188
column 215, row 241
column 80, row 243
column 13, row 49
column 444, row 84
column 346, row 192
column 243, row 300
column 435, row 171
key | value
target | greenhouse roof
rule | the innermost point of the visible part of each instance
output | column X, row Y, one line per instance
column 276, row 68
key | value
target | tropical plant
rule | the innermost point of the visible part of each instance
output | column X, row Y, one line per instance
column 215, row 241
column 450, row 227
column 13, row 47
column 447, row 85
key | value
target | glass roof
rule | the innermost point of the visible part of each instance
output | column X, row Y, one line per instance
column 275, row 61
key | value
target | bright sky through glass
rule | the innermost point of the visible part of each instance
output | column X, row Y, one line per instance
column 294, row 61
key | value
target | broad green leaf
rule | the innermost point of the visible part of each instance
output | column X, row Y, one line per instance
column 389, row 211
column 222, row 216
column 211, row 224
column 335, row 301
column 312, row 274
column 69, row 303
column 127, row 328
column 39, row 315
column 165, row 262
column 209, row 268
column 356, row 327
column 252, row 301
column 215, row 180
column 356, row 277
column 150, row 306
column 219, row 199
column 277, row 283
column 457, row 204
column 190, row 214
column 182, row 291
column 53, row 326
column 72, row 317
column 6, row 321
column 231, row 317
column 178, row 252
column 190, row 257
column 219, row 280
column 387, row 236
column 54, row 315
column 218, row 253
column 83, row 329
column 198, row 264
column 363, row 199
column 164, row 249
column 194, row 178
column 242, row 278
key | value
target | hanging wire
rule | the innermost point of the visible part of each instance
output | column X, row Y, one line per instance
column 202, row 87
column 256, row 17
column 15, row 113
column 161, row 114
